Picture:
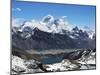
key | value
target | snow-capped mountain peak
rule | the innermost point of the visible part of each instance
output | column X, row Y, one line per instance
column 52, row 25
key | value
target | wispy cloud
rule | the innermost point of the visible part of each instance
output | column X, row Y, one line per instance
column 17, row 9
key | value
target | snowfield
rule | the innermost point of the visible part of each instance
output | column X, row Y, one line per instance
column 24, row 66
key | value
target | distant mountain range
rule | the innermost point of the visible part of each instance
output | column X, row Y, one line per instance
column 51, row 33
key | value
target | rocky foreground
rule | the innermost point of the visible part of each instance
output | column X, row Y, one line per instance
column 22, row 66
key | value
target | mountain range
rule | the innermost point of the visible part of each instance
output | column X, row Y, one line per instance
column 51, row 34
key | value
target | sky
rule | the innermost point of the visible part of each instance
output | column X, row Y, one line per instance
column 80, row 15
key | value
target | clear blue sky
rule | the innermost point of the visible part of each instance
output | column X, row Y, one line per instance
column 76, row 14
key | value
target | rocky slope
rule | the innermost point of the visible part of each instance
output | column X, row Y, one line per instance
column 22, row 66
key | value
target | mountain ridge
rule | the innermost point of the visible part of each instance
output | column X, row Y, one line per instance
column 49, row 34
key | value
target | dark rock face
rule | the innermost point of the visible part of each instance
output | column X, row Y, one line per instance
column 74, row 55
column 94, row 50
column 41, row 40
column 77, row 54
